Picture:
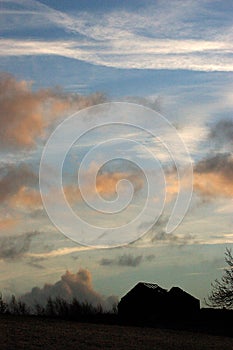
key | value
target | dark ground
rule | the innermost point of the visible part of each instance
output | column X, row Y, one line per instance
column 18, row 332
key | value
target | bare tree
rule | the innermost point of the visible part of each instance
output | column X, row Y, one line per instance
column 3, row 305
column 222, row 290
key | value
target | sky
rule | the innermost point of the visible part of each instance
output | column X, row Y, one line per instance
column 166, row 66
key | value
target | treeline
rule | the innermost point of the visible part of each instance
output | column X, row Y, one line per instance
column 214, row 321
column 57, row 308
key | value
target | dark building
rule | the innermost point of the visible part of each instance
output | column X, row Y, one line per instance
column 182, row 302
column 151, row 302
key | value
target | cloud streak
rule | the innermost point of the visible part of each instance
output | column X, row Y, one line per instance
column 156, row 38
column 58, row 252
column 159, row 54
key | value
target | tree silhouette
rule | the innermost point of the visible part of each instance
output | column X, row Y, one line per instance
column 3, row 305
column 222, row 290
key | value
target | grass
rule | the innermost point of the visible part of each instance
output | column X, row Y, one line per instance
column 28, row 332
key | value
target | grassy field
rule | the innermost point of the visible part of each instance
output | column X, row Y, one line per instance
column 36, row 333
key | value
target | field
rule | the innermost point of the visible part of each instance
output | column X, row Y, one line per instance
column 37, row 333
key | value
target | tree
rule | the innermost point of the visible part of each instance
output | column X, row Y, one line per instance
column 3, row 305
column 18, row 307
column 222, row 290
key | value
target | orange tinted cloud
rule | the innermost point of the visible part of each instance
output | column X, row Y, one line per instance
column 213, row 184
column 27, row 198
column 7, row 223
column 25, row 114
column 213, row 176
column 172, row 186
column 106, row 184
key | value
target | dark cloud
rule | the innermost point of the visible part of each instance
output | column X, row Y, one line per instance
column 123, row 260
column 158, row 226
column 221, row 133
column 15, row 247
column 18, row 187
column 13, row 178
column 71, row 285
column 38, row 214
column 221, row 163
column 157, row 234
column 75, row 257
column 129, row 260
column 107, row 262
column 173, row 239
column 150, row 257
column 126, row 260
column 36, row 263
column 213, row 175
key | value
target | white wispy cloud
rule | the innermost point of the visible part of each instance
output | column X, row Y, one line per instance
column 164, row 55
column 157, row 38
column 58, row 252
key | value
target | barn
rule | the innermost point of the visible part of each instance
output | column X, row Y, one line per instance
column 150, row 301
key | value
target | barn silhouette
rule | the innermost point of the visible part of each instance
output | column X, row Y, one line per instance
column 148, row 301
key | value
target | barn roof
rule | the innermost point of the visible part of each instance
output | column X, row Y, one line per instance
column 150, row 285
column 177, row 291
column 153, row 286
column 155, row 289
column 142, row 287
column 150, row 299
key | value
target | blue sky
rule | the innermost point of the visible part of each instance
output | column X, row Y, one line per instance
column 174, row 57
